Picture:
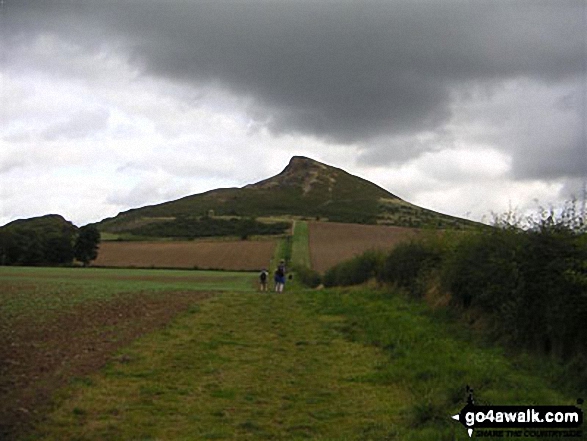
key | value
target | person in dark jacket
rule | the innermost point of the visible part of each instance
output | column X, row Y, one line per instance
column 280, row 277
column 263, row 280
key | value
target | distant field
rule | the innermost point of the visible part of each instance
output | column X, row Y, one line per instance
column 225, row 255
column 332, row 243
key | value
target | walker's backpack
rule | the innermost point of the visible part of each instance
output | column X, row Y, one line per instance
column 263, row 276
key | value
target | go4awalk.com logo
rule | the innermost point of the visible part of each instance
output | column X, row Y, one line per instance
column 521, row 421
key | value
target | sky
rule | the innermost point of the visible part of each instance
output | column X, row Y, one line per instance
column 464, row 107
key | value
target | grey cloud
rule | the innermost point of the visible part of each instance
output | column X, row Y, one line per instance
column 78, row 126
column 11, row 163
column 373, row 73
column 346, row 71
column 551, row 158
column 353, row 71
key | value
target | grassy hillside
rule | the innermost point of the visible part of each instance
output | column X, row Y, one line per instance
column 305, row 188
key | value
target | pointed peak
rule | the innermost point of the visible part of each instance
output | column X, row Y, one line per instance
column 300, row 171
column 299, row 163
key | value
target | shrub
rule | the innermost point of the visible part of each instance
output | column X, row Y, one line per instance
column 530, row 282
column 355, row 271
column 408, row 264
column 484, row 269
column 307, row 277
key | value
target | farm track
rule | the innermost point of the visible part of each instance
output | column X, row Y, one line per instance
column 35, row 362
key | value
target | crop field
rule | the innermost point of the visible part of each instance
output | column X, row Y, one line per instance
column 60, row 324
column 241, row 255
column 332, row 243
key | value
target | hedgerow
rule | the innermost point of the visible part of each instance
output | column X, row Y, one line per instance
column 527, row 277
column 355, row 271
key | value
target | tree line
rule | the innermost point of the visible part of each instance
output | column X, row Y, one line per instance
column 22, row 245
column 187, row 227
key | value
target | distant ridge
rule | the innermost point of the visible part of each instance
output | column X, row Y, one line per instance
column 306, row 188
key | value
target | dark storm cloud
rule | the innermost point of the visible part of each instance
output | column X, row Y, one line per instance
column 343, row 71
column 350, row 71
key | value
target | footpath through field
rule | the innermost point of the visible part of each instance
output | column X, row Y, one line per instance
column 243, row 366
column 326, row 365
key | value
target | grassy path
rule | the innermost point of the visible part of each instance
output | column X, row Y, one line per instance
column 300, row 253
column 244, row 366
column 332, row 365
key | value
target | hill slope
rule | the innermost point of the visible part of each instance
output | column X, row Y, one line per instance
column 50, row 223
column 305, row 188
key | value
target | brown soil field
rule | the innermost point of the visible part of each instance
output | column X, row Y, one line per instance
column 332, row 243
column 224, row 255
column 37, row 360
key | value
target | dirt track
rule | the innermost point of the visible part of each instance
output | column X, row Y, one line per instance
column 36, row 362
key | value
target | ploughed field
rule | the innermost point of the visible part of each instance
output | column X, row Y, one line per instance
column 329, row 244
column 332, row 243
column 60, row 324
column 225, row 255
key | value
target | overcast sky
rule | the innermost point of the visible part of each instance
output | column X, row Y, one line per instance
column 463, row 107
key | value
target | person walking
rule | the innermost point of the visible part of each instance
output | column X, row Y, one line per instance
column 263, row 280
column 280, row 276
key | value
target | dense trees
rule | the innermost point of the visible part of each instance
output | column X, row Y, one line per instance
column 86, row 244
column 186, row 227
column 47, row 240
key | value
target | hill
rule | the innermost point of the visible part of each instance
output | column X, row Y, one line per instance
column 39, row 240
column 304, row 189
column 50, row 223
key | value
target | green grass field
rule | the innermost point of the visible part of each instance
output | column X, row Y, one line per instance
column 37, row 292
column 344, row 364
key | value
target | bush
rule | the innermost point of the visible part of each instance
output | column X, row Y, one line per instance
column 355, row 271
column 531, row 283
column 408, row 265
column 307, row 277
column 484, row 269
